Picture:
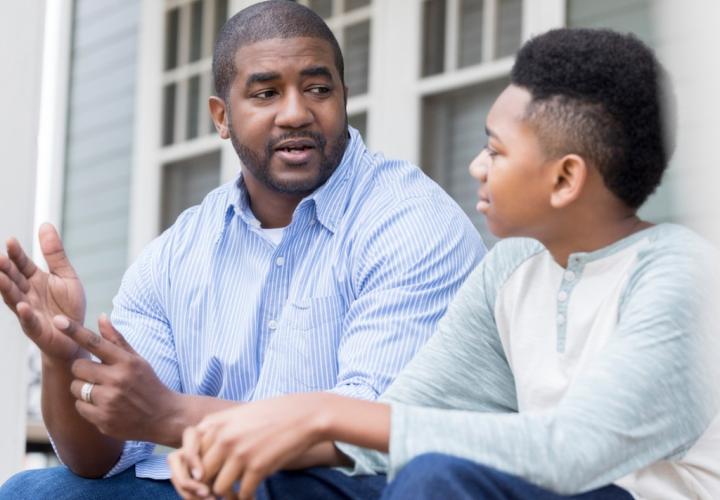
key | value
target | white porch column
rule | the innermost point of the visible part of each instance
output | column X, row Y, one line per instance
column 21, row 36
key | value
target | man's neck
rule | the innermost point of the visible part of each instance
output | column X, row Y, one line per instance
column 271, row 208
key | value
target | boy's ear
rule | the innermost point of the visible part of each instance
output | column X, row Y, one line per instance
column 219, row 116
column 570, row 176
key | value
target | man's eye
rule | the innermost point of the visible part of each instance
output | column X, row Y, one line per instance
column 319, row 90
column 265, row 94
column 490, row 151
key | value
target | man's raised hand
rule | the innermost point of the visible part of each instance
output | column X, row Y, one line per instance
column 36, row 296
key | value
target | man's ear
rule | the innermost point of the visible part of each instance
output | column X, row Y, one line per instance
column 219, row 116
column 570, row 175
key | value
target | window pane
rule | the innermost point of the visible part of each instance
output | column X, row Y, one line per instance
column 471, row 32
column 196, row 21
column 359, row 122
column 221, row 14
column 186, row 182
column 172, row 23
column 169, row 114
column 355, row 4
column 357, row 57
column 509, row 28
column 322, row 7
column 621, row 15
column 193, row 107
column 453, row 134
column 433, row 37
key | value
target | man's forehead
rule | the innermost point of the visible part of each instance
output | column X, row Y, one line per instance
column 300, row 51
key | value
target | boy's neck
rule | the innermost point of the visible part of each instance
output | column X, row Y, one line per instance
column 592, row 234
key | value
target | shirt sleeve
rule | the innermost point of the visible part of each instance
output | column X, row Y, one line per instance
column 407, row 268
column 139, row 314
column 644, row 398
column 463, row 365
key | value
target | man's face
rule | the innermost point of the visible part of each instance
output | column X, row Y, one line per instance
column 515, row 186
column 286, row 113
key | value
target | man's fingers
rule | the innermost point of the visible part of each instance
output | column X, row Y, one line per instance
column 29, row 320
column 54, row 252
column 11, row 294
column 109, row 333
column 24, row 263
column 8, row 268
column 108, row 352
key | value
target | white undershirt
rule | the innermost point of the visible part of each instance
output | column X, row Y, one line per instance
column 274, row 234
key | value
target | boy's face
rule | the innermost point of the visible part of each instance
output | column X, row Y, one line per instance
column 515, row 188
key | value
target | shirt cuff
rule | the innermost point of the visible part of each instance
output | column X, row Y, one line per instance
column 133, row 452
column 366, row 462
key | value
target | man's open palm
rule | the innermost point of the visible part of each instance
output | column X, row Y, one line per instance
column 37, row 296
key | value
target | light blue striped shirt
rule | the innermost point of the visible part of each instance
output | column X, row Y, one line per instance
column 356, row 286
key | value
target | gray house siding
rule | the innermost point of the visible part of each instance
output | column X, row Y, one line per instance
column 99, row 145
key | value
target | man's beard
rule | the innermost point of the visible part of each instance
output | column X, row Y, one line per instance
column 259, row 164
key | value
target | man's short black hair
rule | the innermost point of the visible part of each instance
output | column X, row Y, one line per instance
column 264, row 21
column 601, row 95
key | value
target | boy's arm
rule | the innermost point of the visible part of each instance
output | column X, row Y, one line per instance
column 643, row 399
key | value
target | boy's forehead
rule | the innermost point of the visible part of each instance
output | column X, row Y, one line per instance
column 510, row 105
column 284, row 53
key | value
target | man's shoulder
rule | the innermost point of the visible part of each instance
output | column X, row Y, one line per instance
column 388, row 185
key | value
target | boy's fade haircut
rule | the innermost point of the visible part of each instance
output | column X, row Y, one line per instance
column 604, row 96
column 264, row 21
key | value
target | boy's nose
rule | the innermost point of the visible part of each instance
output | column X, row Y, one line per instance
column 478, row 167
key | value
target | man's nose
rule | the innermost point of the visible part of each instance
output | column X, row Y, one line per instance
column 294, row 112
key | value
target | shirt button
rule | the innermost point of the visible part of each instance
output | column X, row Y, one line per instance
column 562, row 296
column 280, row 261
column 272, row 324
column 255, row 223
column 569, row 275
column 560, row 319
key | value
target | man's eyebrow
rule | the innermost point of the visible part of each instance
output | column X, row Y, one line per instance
column 261, row 78
column 317, row 71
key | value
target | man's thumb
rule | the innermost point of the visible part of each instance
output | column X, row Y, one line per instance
column 54, row 252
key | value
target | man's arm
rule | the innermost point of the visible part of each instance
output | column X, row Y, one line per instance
column 406, row 267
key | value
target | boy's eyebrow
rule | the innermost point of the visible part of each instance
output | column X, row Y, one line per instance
column 317, row 71
column 261, row 78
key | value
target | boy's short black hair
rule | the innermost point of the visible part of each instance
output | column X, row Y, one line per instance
column 264, row 21
column 602, row 95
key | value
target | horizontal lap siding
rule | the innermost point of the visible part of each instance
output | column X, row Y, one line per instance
column 99, row 145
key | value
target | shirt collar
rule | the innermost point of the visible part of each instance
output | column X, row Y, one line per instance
column 329, row 200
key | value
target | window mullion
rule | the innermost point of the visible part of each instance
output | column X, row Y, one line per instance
column 489, row 29
column 452, row 35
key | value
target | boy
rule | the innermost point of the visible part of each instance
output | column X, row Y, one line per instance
column 570, row 361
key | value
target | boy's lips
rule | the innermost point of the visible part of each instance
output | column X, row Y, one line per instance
column 484, row 201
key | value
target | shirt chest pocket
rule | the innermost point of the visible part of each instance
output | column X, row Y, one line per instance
column 307, row 342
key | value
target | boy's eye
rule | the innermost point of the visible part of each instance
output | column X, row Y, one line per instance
column 490, row 151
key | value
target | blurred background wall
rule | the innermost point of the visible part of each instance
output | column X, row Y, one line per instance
column 131, row 142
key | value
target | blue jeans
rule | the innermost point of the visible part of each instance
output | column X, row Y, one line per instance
column 436, row 476
column 58, row 483
column 431, row 476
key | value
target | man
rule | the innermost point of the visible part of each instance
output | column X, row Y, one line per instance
column 324, row 267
